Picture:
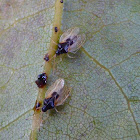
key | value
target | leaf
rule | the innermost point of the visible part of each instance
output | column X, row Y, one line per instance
column 104, row 75
column 25, row 30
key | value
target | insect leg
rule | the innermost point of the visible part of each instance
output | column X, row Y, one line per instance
column 59, row 111
column 56, row 110
column 70, row 56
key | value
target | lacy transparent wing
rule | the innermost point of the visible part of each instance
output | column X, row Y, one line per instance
column 70, row 33
column 78, row 43
column 63, row 96
column 56, row 87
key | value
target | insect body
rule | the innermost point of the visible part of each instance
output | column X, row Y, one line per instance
column 55, row 29
column 37, row 105
column 42, row 80
column 70, row 41
column 46, row 58
column 56, row 95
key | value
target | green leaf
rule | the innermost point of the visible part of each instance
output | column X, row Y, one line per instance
column 25, row 30
column 104, row 75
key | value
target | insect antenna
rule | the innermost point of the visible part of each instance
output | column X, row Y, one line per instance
column 54, row 42
column 54, row 64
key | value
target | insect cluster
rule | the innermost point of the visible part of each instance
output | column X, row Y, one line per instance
column 69, row 42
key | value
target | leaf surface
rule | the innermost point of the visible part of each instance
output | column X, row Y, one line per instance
column 104, row 75
column 25, row 31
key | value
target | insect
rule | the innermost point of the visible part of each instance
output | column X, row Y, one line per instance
column 42, row 80
column 70, row 41
column 46, row 57
column 55, row 29
column 61, row 1
column 55, row 95
column 38, row 105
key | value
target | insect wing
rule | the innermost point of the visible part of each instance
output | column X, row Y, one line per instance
column 63, row 96
column 78, row 43
column 69, row 34
column 56, row 87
